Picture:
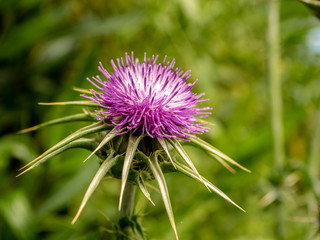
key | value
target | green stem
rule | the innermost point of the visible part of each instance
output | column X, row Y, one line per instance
column 126, row 212
column 314, row 151
column 275, row 83
column 314, row 158
column 276, row 105
column 128, row 201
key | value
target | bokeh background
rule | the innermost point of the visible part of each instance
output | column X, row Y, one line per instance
column 48, row 47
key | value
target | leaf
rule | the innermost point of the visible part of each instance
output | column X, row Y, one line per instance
column 16, row 210
column 86, row 143
column 73, row 103
column 143, row 189
column 107, row 138
column 82, row 90
column 155, row 168
column 165, row 148
column 223, row 163
column 72, row 118
column 211, row 149
column 185, row 157
column 93, row 128
column 104, row 168
column 187, row 171
column 133, row 143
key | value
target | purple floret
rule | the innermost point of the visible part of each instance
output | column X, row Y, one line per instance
column 149, row 98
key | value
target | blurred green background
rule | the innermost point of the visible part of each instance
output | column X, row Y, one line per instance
column 47, row 47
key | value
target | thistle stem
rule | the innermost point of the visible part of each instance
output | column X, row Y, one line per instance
column 126, row 212
column 128, row 201
column 315, row 152
column 275, row 83
column 276, row 105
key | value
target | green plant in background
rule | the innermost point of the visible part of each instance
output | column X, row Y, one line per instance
column 143, row 111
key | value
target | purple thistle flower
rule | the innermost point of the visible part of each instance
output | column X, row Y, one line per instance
column 149, row 98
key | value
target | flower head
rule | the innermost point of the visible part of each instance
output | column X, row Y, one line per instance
column 148, row 97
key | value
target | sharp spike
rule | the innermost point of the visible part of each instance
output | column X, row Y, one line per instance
column 107, row 138
column 187, row 171
column 96, row 127
column 74, row 103
column 131, row 149
column 186, row 158
column 143, row 189
column 104, row 168
column 207, row 147
column 165, row 148
column 157, row 172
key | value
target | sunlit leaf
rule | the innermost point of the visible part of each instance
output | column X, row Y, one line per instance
column 143, row 189
column 185, row 157
column 72, row 103
column 187, row 171
column 72, row 118
column 207, row 147
column 96, row 127
column 133, row 143
column 86, row 143
column 106, row 139
column 104, row 168
column 157, row 172
column 165, row 148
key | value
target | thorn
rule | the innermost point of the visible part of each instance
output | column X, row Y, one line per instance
column 78, row 214
column 121, row 195
column 28, row 169
column 33, row 161
column 149, row 198
column 30, row 129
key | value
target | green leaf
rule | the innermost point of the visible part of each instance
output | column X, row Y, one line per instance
column 143, row 189
column 104, row 168
column 133, row 143
column 96, row 127
column 15, row 209
column 175, row 143
column 215, row 152
column 73, row 103
column 106, row 139
column 86, row 143
column 72, row 118
column 187, row 171
column 223, row 163
column 165, row 148
column 82, row 90
column 155, row 168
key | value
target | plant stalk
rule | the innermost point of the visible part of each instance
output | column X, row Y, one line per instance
column 276, row 106
column 275, row 83
column 128, row 201
column 315, row 151
column 126, row 212
column 314, row 163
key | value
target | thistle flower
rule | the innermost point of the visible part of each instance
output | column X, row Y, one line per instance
column 142, row 112
column 149, row 98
